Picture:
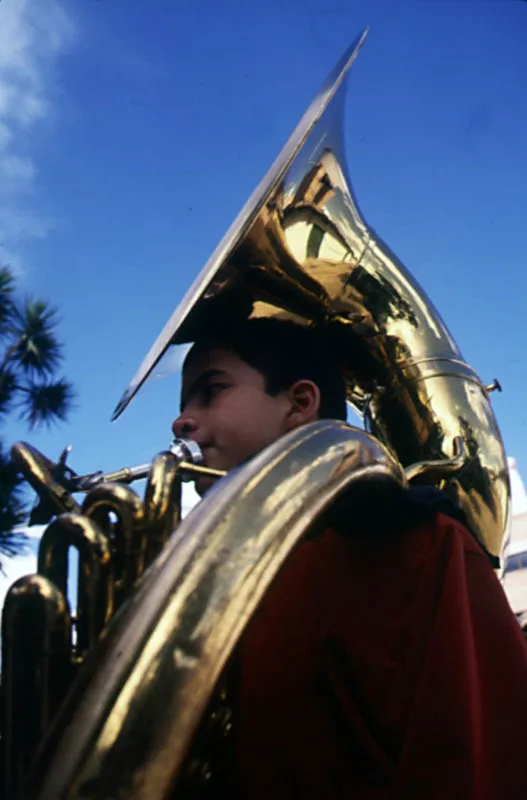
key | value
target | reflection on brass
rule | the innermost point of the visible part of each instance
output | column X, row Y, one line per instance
column 36, row 671
column 300, row 249
column 42, row 475
column 116, row 537
column 435, row 471
column 119, row 513
column 95, row 589
column 143, row 696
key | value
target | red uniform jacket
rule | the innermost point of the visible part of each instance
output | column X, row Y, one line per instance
column 384, row 666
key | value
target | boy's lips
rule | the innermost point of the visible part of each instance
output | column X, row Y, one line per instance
column 205, row 449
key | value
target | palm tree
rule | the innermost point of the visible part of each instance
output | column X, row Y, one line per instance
column 30, row 355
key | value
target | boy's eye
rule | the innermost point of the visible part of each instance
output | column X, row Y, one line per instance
column 211, row 390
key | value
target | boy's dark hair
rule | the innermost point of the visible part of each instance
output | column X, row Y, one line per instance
column 284, row 352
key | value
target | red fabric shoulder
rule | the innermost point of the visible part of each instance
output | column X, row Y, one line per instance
column 468, row 667
column 383, row 666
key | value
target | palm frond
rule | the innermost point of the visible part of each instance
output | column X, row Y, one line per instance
column 12, row 507
column 10, row 478
column 45, row 403
column 8, row 387
column 35, row 346
column 7, row 288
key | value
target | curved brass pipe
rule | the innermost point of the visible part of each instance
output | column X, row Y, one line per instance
column 162, row 502
column 156, row 670
column 116, row 537
column 95, row 582
column 119, row 512
column 36, row 671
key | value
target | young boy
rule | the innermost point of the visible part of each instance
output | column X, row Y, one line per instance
column 383, row 663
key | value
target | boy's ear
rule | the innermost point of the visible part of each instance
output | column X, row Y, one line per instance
column 304, row 396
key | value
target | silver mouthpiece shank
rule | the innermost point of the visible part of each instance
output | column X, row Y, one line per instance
column 187, row 450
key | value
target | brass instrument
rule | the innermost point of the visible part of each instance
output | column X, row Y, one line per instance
column 299, row 249
column 116, row 536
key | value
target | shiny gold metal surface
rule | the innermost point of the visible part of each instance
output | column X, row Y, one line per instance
column 144, row 693
column 301, row 249
column 36, row 670
column 39, row 472
column 95, row 581
column 116, row 537
column 435, row 471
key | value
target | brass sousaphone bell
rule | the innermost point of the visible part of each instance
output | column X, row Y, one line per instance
column 299, row 249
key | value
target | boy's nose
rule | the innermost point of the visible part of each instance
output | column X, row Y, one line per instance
column 184, row 426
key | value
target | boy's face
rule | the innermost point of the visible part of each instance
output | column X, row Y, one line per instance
column 225, row 408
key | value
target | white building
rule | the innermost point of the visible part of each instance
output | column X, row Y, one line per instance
column 515, row 582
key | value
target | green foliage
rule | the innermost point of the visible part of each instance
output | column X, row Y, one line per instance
column 45, row 403
column 30, row 355
column 12, row 508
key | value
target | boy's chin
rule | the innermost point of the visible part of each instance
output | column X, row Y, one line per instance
column 203, row 484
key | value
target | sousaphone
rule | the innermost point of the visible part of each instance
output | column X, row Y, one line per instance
column 300, row 249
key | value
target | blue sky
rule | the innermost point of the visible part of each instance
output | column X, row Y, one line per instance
column 131, row 133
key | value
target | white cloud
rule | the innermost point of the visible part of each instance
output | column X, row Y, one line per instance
column 33, row 36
